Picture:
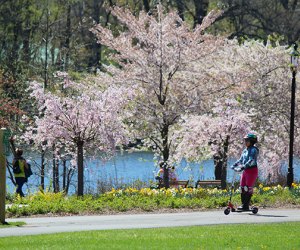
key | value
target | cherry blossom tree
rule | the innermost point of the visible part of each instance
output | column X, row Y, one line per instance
column 156, row 55
column 217, row 134
column 268, row 99
column 263, row 98
column 86, row 119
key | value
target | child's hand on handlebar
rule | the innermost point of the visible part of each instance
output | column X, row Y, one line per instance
column 239, row 169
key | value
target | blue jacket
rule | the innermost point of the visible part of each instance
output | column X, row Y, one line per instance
column 248, row 158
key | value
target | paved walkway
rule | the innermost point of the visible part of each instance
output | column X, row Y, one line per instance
column 47, row 225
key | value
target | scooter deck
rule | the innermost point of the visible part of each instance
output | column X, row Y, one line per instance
column 241, row 211
column 253, row 210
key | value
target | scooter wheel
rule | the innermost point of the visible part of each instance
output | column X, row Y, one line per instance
column 254, row 210
column 226, row 211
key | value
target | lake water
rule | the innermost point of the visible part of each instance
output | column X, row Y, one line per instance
column 127, row 168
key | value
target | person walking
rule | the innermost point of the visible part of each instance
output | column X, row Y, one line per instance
column 248, row 164
column 20, row 164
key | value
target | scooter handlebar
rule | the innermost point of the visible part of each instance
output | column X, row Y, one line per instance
column 238, row 169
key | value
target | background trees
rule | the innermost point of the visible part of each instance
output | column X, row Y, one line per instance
column 179, row 72
column 8, row 108
column 259, row 19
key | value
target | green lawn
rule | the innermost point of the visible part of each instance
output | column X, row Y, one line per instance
column 245, row 236
column 12, row 224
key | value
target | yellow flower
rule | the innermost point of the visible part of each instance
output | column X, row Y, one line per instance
column 266, row 189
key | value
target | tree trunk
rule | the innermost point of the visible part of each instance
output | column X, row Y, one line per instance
column 26, row 35
column 166, row 154
column 46, row 49
column 12, row 146
column 166, row 176
column 95, row 59
column 43, row 170
column 146, row 6
column 55, row 175
column 224, row 161
column 10, row 173
column 218, row 166
column 180, row 8
column 200, row 11
column 64, row 174
column 14, row 55
column 80, row 168
column 68, row 38
column 70, row 173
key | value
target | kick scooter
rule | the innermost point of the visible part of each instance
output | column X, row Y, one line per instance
column 230, row 207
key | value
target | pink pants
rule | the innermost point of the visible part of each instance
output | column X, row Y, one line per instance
column 248, row 179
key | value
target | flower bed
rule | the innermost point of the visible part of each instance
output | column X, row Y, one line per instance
column 146, row 199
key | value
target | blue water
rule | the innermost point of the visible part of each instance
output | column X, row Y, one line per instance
column 126, row 168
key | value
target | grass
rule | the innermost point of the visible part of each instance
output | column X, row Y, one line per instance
column 242, row 236
column 12, row 224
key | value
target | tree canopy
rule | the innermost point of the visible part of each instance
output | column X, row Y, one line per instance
column 183, row 76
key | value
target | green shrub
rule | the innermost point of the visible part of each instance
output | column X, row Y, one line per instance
column 147, row 199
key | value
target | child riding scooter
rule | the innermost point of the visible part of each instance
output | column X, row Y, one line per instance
column 248, row 164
